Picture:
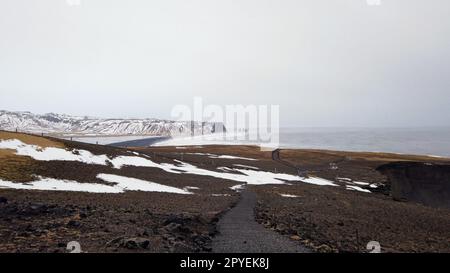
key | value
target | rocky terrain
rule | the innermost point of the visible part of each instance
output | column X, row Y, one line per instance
column 331, row 219
column 130, row 222
column 425, row 183
column 335, row 220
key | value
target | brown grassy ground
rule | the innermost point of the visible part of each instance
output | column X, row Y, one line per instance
column 21, row 168
column 32, row 139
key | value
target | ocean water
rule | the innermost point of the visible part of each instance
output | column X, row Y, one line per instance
column 421, row 141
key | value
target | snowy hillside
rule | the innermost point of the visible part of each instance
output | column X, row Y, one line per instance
column 73, row 125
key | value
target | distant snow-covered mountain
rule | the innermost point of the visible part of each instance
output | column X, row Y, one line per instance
column 52, row 123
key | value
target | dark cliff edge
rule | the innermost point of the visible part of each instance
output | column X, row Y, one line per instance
column 420, row 182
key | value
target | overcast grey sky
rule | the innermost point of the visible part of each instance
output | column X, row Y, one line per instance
column 325, row 62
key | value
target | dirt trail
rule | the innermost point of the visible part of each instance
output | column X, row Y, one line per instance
column 240, row 233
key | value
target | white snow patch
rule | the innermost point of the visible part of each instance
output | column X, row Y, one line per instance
column 134, row 184
column 361, row 183
column 223, row 156
column 317, row 181
column 52, row 153
column 356, row 188
column 344, row 179
column 136, row 161
column 122, row 184
column 232, row 157
column 254, row 177
column 246, row 176
column 50, row 184
column 191, row 188
column 225, row 169
column 289, row 195
column 238, row 187
column 220, row 194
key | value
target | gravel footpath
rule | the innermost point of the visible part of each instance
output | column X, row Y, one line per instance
column 240, row 233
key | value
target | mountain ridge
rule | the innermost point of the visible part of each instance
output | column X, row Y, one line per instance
column 55, row 123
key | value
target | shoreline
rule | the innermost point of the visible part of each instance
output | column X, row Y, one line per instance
column 158, row 141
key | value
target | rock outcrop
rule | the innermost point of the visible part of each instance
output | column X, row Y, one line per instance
column 424, row 183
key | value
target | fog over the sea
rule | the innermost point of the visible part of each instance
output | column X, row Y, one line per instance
column 325, row 62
